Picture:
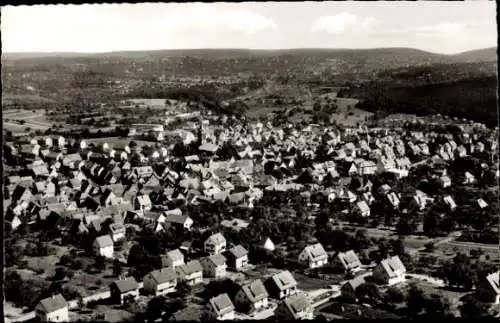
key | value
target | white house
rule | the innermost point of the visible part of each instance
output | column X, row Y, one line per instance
column 52, row 309
column 362, row 208
column 252, row 296
column 390, row 271
column 103, row 246
column 237, row 258
column 314, row 256
column 220, row 308
column 281, row 285
column 268, row 244
column 160, row 282
column 124, row 290
column 215, row 244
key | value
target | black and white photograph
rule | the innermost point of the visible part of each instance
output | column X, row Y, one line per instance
column 250, row 161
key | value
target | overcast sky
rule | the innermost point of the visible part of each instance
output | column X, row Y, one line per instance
column 443, row 27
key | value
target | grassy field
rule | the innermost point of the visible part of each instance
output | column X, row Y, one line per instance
column 35, row 120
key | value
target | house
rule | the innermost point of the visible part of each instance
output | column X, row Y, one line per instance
column 178, row 220
column 393, row 199
column 488, row 290
column 215, row 244
column 348, row 260
column 191, row 272
column 445, row 181
column 235, row 224
column 268, row 244
column 390, row 271
column 237, row 258
column 362, row 208
column 448, row 200
column 12, row 220
column 220, row 308
column 349, row 287
column 124, row 290
column 281, row 285
column 252, row 297
column 314, row 256
column 296, row 307
column 174, row 258
column 52, row 309
column 469, row 179
column 160, row 282
column 214, row 266
column 117, row 231
column 103, row 246
column 482, row 203
column 143, row 202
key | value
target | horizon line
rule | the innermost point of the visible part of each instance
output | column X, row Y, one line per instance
column 229, row 48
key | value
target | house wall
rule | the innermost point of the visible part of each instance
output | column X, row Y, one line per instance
column 165, row 288
column 241, row 262
column 134, row 293
column 60, row 315
column 106, row 251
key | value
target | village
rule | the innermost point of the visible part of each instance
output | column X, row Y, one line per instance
column 240, row 219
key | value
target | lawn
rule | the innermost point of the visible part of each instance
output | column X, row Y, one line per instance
column 307, row 283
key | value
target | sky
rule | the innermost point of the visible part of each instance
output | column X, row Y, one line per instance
column 440, row 27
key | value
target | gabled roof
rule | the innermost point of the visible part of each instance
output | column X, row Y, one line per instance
column 222, row 304
column 255, row 291
column 217, row 260
column 216, row 239
column 297, row 303
column 393, row 266
column 238, row 251
column 163, row 275
column 189, row 268
column 315, row 251
column 493, row 280
column 104, row 241
column 284, row 280
column 362, row 206
column 349, row 259
column 54, row 303
column 175, row 255
column 126, row 285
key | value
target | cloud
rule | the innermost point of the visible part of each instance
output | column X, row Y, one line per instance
column 442, row 30
column 342, row 22
column 207, row 16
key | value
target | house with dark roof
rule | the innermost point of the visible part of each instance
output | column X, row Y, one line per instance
column 160, row 282
column 390, row 271
column 252, row 297
column 52, row 309
column 314, row 256
column 124, row 290
column 281, row 285
column 488, row 290
column 237, row 258
column 295, row 307
column 220, row 308
column 214, row 266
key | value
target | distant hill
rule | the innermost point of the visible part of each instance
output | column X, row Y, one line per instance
column 484, row 55
column 399, row 52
